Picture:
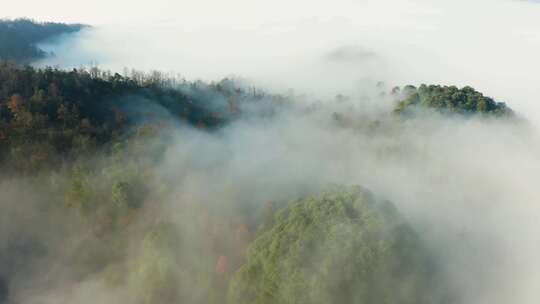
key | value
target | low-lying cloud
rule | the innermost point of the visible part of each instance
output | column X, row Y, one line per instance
column 414, row 41
column 464, row 184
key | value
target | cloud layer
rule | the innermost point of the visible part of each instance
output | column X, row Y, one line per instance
column 285, row 45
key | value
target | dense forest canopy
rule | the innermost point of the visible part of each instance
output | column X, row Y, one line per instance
column 49, row 113
column 19, row 38
column 450, row 99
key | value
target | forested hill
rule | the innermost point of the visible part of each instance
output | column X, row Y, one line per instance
column 450, row 99
column 19, row 38
column 46, row 112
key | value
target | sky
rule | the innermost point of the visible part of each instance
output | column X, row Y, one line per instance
column 204, row 12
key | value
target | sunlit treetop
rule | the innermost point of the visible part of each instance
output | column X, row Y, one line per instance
column 449, row 99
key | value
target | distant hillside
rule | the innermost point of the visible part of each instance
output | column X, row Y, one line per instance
column 19, row 38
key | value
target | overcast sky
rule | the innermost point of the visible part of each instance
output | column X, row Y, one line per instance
column 207, row 12
column 254, row 12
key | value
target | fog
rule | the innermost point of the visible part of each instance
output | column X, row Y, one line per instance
column 490, row 45
column 467, row 185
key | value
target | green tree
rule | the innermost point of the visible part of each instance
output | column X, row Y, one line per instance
column 450, row 99
column 343, row 246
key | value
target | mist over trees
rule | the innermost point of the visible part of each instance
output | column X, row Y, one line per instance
column 47, row 115
column 138, row 187
column 91, row 142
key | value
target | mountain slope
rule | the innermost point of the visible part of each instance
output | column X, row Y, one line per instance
column 19, row 38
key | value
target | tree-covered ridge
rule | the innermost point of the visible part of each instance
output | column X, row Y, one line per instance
column 50, row 114
column 450, row 99
column 343, row 246
column 19, row 37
